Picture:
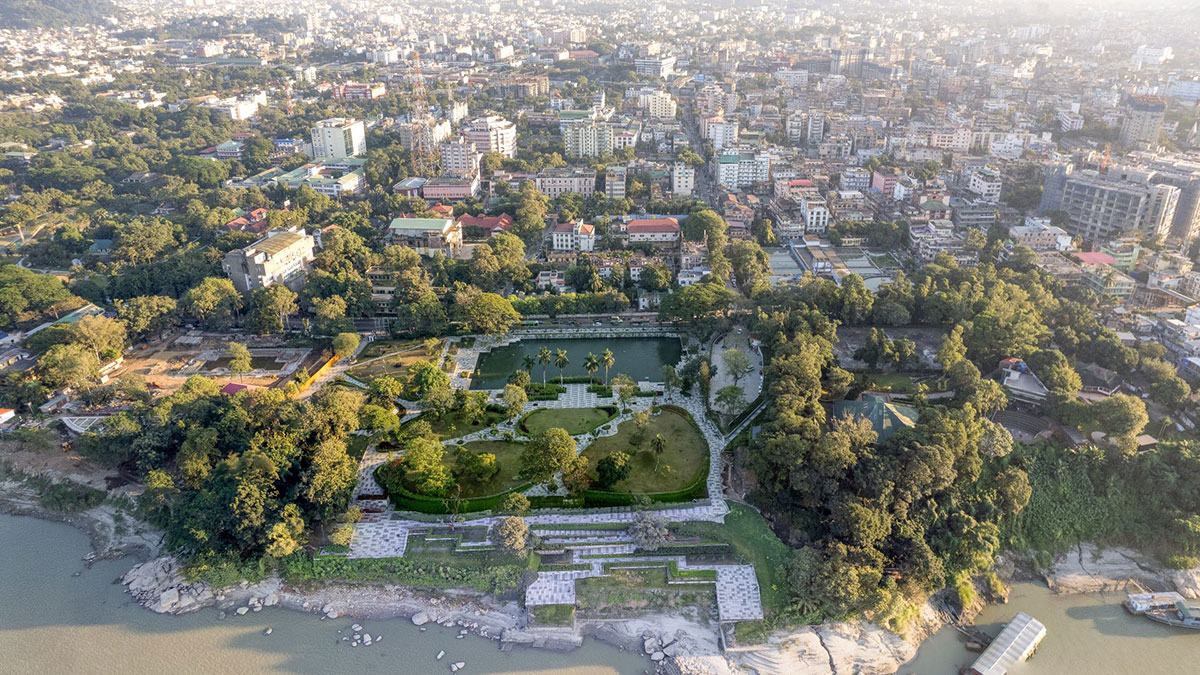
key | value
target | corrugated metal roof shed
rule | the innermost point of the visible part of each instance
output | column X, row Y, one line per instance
column 1014, row 644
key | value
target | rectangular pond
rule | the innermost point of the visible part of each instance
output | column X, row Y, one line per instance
column 641, row 358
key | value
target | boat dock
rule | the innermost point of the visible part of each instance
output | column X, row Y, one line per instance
column 1169, row 608
column 1013, row 645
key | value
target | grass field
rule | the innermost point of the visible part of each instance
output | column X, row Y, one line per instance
column 889, row 382
column 454, row 424
column 507, row 454
column 636, row 591
column 685, row 454
column 574, row 420
column 392, row 357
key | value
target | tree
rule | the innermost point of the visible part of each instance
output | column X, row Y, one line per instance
column 546, row 455
column 376, row 418
column 952, row 350
column 287, row 535
column 384, row 390
column 489, row 314
column 736, row 362
column 511, row 534
column 423, row 377
column 1122, row 417
column 330, row 314
column 331, row 476
column 670, row 379
column 345, row 344
column 731, row 398
column 270, row 307
column 607, row 360
column 516, row 503
column 105, row 337
column 561, row 361
column 649, row 531
column 69, row 366
column 146, row 314
column 591, row 364
column 1166, row 387
column 514, row 399
column 658, row 444
column 625, row 388
column 856, row 299
column 613, row 469
column 543, row 357
column 427, row 473
column 474, row 406
column 214, row 302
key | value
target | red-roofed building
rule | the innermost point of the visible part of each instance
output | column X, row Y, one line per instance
column 493, row 225
column 233, row 388
column 443, row 210
column 254, row 221
column 574, row 236
column 1095, row 258
column 653, row 230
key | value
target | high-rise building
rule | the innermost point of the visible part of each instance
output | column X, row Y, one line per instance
column 493, row 134
column 1101, row 207
column 614, row 182
column 720, row 132
column 339, row 138
column 661, row 104
column 986, row 184
column 1143, row 121
column 281, row 257
column 683, row 179
column 655, row 66
column 588, row 138
column 737, row 168
column 460, row 158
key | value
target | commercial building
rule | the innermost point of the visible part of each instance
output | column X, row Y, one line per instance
column 1040, row 235
column 333, row 178
column 719, row 132
column 281, row 257
column 683, row 179
column 493, row 134
column 655, row 66
column 986, row 184
column 339, row 138
column 614, row 182
column 451, row 188
column 352, row 91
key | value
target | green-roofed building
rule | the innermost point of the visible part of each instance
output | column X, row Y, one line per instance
column 885, row 416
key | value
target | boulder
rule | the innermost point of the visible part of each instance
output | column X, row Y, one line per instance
column 441, row 654
column 420, row 618
column 657, row 656
column 242, row 610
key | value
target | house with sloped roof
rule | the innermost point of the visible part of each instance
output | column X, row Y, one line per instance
column 885, row 416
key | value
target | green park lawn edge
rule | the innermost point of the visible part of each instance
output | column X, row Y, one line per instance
column 611, row 413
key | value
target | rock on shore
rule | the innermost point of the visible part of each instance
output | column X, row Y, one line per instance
column 1090, row 569
column 159, row 585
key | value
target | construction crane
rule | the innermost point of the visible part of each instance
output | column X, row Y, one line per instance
column 424, row 159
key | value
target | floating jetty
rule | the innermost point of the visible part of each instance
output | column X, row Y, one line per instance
column 1013, row 645
column 1169, row 608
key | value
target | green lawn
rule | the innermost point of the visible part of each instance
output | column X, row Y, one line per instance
column 574, row 420
column 507, row 454
column 356, row 445
column 637, row 591
column 752, row 539
column 685, row 456
column 453, row 424
column 889, row 382
column 397, row 356
column 553, row 615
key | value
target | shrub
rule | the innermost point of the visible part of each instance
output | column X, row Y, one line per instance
column 70, row 497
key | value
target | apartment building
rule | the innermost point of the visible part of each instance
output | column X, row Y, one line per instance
column 1100, row 207
column 683, row 179
column 588, row 138
column 493, row 134
column 719, row 132
column 737, row 169
column 574, row 236
column 339, row 138
column 460, row 158
column 426, row 236
column 986, row 184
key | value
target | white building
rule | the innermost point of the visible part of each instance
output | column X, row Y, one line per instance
column 655, row 66
column 737, row 169
column 460, row 158
column 986, row 184
column 683, row 179
column 493, row 134
column 574, row 236
column 339, row 138
column 614, row 182
column 815, row 213
column 797, row 79
column 587, row 138
column 557, row 182
column 661, row 104
column 719, row 132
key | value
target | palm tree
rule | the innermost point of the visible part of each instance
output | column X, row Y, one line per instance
column 561, row 360
column 591, row 364
column 527, row 363
column 658, row 444
column 607, row 360
column 543, row 358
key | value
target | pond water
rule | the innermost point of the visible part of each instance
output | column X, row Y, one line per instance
column 53, row 622
column 1084, row 634
column 640, row 358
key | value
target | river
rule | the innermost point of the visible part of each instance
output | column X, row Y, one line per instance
column 53, row 622
column 1084, row 634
